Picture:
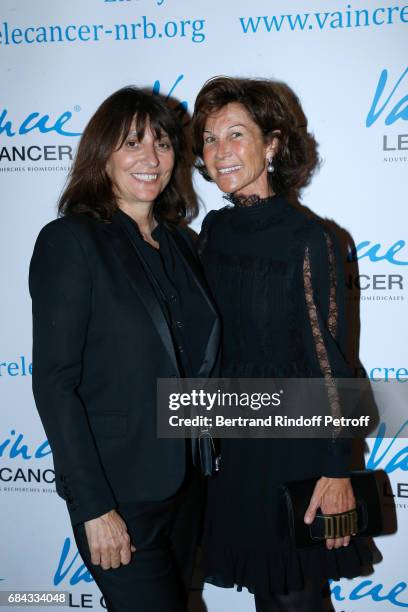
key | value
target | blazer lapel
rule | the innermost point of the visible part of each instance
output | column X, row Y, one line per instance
column 213, row 345
column 127, row 251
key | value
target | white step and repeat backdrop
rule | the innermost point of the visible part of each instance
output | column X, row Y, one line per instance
column 59, row 60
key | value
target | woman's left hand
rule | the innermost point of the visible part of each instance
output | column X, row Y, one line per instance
column 331, row 495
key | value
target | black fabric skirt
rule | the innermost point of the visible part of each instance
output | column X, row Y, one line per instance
column 246, row 539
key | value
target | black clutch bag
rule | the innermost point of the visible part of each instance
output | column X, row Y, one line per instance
column 364, row 520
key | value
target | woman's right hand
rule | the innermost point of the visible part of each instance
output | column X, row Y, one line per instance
column 332, row 496
column 109, row 541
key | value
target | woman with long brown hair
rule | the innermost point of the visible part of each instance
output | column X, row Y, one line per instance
column 118, row 303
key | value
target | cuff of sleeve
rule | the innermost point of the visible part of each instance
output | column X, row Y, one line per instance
column 81, row 515
column 85, row 502
column 337, row 460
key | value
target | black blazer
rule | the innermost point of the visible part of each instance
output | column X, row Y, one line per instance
column 100, row 341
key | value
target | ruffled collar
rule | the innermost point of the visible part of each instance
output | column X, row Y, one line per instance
column 247, row 201
column 253, row 213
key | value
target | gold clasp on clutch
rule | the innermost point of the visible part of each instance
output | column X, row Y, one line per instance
column 340, row 525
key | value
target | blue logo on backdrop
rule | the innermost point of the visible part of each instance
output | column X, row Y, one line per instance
column 183, row 106
column 36, row 122
column 393, row 106
column 376, row 592
column 384, row 455
column 385, row 374
column 74, row 570
column 13, row 447
column 377, row 252
column 21, row 367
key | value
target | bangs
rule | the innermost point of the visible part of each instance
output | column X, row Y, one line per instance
column 89, row 189
column 160, row 125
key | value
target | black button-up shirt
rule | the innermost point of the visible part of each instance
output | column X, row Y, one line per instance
column 181, row 299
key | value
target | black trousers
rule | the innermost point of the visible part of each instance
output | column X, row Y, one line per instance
column 310, row 599
column 165, row 535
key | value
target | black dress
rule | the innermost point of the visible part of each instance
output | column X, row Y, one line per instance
column 277, row 279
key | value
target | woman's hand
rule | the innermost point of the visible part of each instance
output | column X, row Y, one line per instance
column 331, row 495
column 108, row 540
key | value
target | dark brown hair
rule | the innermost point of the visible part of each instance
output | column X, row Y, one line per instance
column 272, row 105
column 89, row 189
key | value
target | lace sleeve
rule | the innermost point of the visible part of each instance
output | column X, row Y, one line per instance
column 332, row 319
column 323, row 280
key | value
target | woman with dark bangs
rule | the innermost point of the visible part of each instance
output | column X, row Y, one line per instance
column 277, row 278
column 118, row 302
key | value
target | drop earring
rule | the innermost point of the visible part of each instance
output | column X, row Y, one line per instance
column 270, row 167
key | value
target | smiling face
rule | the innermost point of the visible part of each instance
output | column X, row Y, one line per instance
column 235, row 152
column 141, row 169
